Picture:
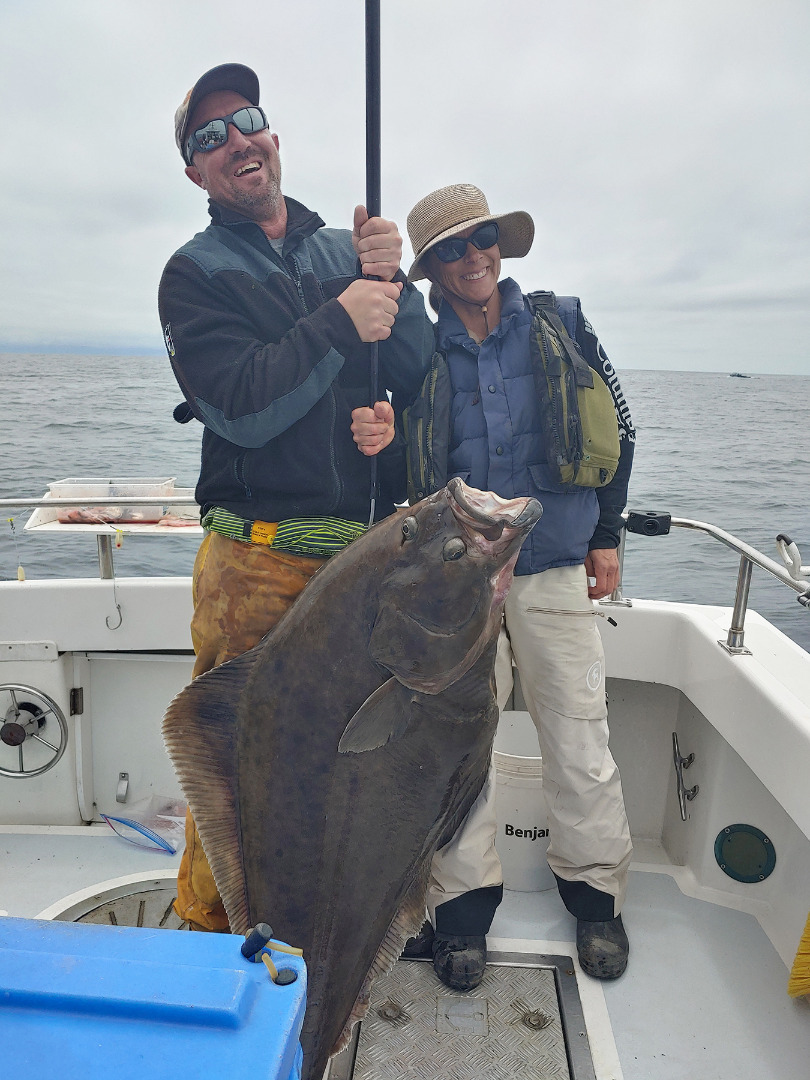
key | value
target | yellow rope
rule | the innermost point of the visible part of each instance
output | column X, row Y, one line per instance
column 276, row 946
column 271, row 967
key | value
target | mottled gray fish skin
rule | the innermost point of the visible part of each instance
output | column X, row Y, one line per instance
column 327, row 765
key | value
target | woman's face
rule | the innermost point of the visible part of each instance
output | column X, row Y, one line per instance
column 473, row 277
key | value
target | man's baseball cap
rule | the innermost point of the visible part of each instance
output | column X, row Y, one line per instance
column 242, row 80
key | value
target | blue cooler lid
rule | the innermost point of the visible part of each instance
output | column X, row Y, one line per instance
column 87, row 1002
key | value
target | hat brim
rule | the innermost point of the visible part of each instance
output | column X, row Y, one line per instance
column 515, row 240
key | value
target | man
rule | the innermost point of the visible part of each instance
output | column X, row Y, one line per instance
column 265, row 322
column 488, row 406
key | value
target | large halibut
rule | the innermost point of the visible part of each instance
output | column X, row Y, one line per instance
column 325, row 766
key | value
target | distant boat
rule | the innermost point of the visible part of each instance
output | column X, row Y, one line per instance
column 738, row 375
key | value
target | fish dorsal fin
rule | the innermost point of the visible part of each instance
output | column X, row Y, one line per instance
column 383, row 716
column 200, row 733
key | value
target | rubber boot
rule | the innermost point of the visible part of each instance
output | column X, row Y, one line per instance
column 602, row 948
column 460, row 944
column 459, row 962
column 421, row 944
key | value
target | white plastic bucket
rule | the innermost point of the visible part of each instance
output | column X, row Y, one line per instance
column 522, row 837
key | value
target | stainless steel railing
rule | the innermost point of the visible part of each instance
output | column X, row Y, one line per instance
column 790, row 572
column 128, row 500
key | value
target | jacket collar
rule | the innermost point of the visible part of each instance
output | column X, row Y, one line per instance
column 301, row 222
column 450, row 329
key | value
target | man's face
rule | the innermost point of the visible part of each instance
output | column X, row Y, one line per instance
column 244, row 174
column 473, row 277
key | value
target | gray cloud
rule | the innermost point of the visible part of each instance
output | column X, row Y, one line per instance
column 661, row 149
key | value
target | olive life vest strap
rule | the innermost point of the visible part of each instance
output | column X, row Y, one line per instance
column 577, row 412
column 545, row 304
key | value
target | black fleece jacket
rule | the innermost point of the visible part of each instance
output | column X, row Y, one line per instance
column 270, row 362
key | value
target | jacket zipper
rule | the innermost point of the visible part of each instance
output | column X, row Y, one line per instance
column 418, row 480
column 563, row 611
column 295, row 274
column 332, row 462
column 429, row 471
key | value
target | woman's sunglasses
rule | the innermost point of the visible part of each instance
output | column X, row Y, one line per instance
column 215, row 133
column 485, row 236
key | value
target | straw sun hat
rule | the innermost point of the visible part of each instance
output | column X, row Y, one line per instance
column 451, row 210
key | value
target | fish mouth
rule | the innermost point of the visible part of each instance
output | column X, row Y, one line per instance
column 497, row 521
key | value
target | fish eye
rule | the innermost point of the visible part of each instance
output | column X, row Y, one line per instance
column 410, row 527
column 453, row 549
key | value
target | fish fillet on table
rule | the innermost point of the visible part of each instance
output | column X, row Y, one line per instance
column 326, row 766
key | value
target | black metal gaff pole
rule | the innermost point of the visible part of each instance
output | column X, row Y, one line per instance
column 373, row 182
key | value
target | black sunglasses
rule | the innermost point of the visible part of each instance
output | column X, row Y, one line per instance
column 455, row 248
column 215, row 133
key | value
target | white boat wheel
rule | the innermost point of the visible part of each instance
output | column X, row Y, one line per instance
column 26, row 716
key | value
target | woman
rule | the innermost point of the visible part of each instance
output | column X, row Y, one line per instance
column 499, row 431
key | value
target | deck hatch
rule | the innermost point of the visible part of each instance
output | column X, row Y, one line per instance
column 524, row 1020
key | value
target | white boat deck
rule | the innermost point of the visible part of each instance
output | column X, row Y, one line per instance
column 41, row 865
column 704, row 995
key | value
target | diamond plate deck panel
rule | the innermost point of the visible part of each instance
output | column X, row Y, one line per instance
column 148, row 907
column 508, row 1028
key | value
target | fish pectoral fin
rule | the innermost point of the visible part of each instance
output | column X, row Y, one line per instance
column 383, row 716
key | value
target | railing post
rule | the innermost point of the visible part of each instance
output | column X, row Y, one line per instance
column 106, row 569
column 736, row 633
column 616, row 596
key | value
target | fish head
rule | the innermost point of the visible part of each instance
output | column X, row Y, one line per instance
column 441, row 597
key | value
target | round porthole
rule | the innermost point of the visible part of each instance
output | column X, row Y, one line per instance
column 745, row 853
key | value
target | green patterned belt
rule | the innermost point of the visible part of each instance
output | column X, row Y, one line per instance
column 312, row 537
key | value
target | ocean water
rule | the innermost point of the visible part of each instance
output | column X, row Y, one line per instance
column 733, row 452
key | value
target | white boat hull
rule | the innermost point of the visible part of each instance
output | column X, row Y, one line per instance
column 745, row 717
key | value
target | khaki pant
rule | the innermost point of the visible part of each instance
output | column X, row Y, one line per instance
column 240, row 593
column 550, row 635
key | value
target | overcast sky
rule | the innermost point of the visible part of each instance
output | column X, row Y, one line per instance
column 661, row 147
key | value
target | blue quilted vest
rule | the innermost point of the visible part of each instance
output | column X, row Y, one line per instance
column 495, row 441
